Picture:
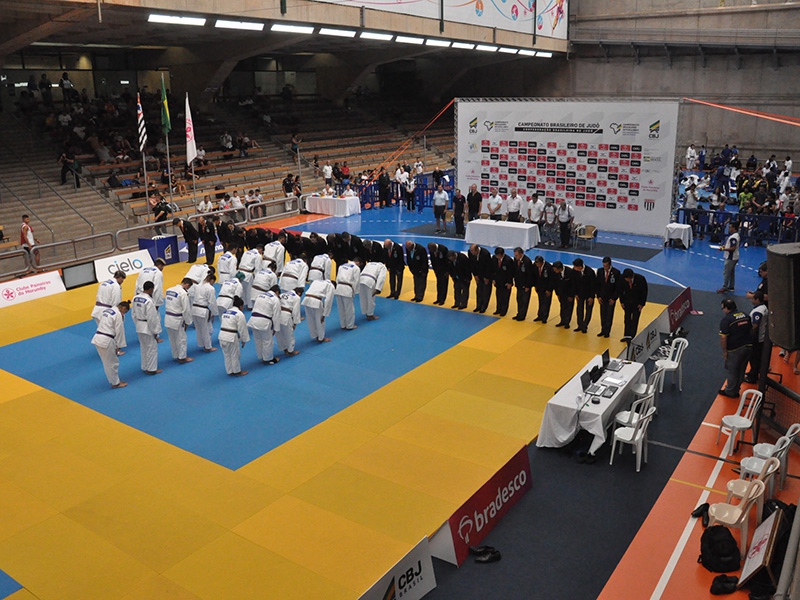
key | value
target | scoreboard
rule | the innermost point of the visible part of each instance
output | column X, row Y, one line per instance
column 613, row 161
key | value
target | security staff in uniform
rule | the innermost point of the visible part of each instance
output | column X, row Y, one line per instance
column 523, row 280
column 585, row 291
column 544, row 281
column 735, row 336
column 503, row 280
column 565, row 290
column 438, row 254
column 483, row 272
column 608, row 281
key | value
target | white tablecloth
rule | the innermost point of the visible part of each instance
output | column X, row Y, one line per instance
column 678, row 231
column 564, row 414
column 338, row 207
column 502, row 233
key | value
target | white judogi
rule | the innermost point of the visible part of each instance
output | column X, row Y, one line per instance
column 347, row 278
column 320, row 268
column 290, row 317
column 232, row 331
column 250, row 263
column 109, row 295
column 275, row 252
column 227, row 266
column 265, row 321
column 264, row 280
column 178, row 316
column 318, row 301
column 148, row 327
column 109, row 337
column 204, row 309
column 372, row 279
column 155, row 275
column 197, row 273
column 294, row 275
column 227, row 291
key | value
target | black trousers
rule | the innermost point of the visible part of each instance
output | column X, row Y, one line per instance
column 191, row 245
column 395, row 282
column 606, row 315
column 459, row 224
column 483, row 293
column 755, row 359
column 544, row 306
column 383, row 196
column 513, row 217
column 503, row 295
column 420, row 283
column 565, row 233
column 523, row 301
column 460, row 293
column 211, row 249
column 632, row 321
column 410, row 201
column 567, row 306
column 585, row 309
column 442, row 281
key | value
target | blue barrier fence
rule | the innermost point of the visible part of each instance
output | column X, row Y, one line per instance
column 753, row 229
column 423, row 193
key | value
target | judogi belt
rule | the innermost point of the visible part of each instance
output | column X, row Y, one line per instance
column 103, row 305
column 255, row 314
column 236, row 331
column 260, row 289
column 286, row 309
column 320, row 269
column 226, row 296
column 111, row 335
column 315, row 297
column 200, row 306
column 172, row 314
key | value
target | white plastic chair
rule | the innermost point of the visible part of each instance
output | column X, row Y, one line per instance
column 737, row 515
column 650, row 387
column 743, row 420
column 673, row 362
column 765, row 450
column 750, row 466
column 737, row 488
column 636, row 436
column 629, row 418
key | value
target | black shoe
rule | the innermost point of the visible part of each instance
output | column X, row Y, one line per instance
column 626, row 339
column 577, row 329
column 591, row 459
column 518, row 318
column 584, row 331
column 454, row 306
column 750, row 380
column 480, row 550
column 477, row 309
column 497, row 312
column 489, row 557
column 537, row 319
column 606, row 335
column 728, row 394
column 581, row 457
column 700, row 510
column 601, row 334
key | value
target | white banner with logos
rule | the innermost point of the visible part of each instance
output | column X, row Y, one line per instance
column 410, row 579
column 129, row 263
column 611, row 160
column 30, row 288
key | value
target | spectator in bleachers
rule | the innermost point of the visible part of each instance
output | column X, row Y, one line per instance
column 205, row 205
column 46, row 91
column 752, row 163
column 238, row 206
column 297, row 187
column 242, row 146
column 419, row 167
column 337, row 172
column 327, row 173
column 226, row 141
column 201, row 160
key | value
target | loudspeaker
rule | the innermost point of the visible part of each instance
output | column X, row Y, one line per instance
column 783, row 267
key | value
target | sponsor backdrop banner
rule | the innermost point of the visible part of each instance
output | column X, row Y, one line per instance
column 679, row 308
column 410, row 579
column 129, row 263
column 477, row 516
column 30, row 288
column 611, row 160
column 511, row 16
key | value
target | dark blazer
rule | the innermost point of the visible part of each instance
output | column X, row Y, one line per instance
column 395, row 261
column 565, row 284
column 189, row 231
column 483, row 264
column 635, row 293
column 378, row 253
column 419, row 262
column 585, row 283
column 503, row 271
column 208, row 233
column 546, row 282
column 439, row 259
column 609, row 290
column 461, row 270
column 523, row 272
column 337, row 248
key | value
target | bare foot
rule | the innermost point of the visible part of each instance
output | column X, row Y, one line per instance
column 121, row 384
column 240, row 374
column 322, row 341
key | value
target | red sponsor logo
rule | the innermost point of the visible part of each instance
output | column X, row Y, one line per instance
column 580, row 203
column 679, row 308
column 633, row 207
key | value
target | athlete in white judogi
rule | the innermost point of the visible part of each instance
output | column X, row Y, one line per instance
column 318, row 301
column 347, row 278
column 155, row 275
column 373, row 276
column 320, row 267
column 249, row 264
column 290, row 318
column 294, row 275
column 178, row 316
column 109, row 338
column 228, row 291
column 227, row 266
column 204, row 310
column 265, row 321
column 148, row 327
column 233, row 335
column 109, row 295
column 276, row 252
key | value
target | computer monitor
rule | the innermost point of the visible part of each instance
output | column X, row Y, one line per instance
column 586, row 380
column 606, row 359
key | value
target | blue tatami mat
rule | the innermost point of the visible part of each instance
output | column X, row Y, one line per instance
column 228, row 420
column 7, row 586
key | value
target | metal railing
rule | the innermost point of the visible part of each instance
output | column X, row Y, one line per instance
column 753, row 229
column 15, row 263
column 68, row 252
column 761, row 38
column 29, row 210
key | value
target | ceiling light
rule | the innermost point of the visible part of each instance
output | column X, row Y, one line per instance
column 404, row 39
column 485, row 48
column 527, row 52
column 348, row 33
column 245, row 25
column 372, row 35
column 508, row 50
column 291, row 28
column 124, row 82
column 463, row 46
column 544, row 54
column 438, row 43
column 176, row 20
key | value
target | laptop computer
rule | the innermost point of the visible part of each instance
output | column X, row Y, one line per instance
column 593, row 389
column 611, row 365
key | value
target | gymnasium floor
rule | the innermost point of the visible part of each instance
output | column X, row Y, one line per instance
column 307, row 478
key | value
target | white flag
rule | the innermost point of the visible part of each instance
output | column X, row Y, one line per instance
column 191, row 147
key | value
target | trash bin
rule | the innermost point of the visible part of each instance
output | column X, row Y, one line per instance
column 161, row 246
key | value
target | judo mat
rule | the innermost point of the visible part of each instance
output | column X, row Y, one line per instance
column 305, row 479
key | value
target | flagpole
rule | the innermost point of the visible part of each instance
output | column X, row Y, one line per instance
column 143, row 149
column 191, row 147
column 194, row 187
column 166, row 134
column 146, row 190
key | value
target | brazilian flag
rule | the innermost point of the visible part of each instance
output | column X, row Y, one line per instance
column 165, row 123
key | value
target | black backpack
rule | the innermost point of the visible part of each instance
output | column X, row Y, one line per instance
column 719, row 552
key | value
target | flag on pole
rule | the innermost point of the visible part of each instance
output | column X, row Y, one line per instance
column 165, row 124
column 142, row 126
column 191, row 146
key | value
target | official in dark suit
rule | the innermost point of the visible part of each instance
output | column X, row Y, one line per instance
column 608, row 284
column 438, row 254
column 483, row 272
column 544, row 281
column 208, row 235
column 565, row 290
column 503, row 280
column 585, row 291
column 633, row 297
column 353, row 246
column 336, row 247
column 395, row 264
column 461, row 272
column 417, row 261
column 190, row 236
column 523, row 280
column 377, row 253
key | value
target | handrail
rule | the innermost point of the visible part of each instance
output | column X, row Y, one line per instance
column 13, row 254
column 61, row 262
column 707, row 37
column 102, row 197
column 29, row 209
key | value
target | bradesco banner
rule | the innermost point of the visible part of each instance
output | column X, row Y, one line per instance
column 411, row 578
column 478, row 515
column 30, row 288
column 129, row 263
column 679, row 308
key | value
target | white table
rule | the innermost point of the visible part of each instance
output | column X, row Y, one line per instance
column 338, row 207
column 565, row 415
column 502, row 233
column 678, row 231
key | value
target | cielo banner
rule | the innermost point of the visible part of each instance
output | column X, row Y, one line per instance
column 471, row 523
column 129, row 263
column 30, row 288
column 410, row 579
